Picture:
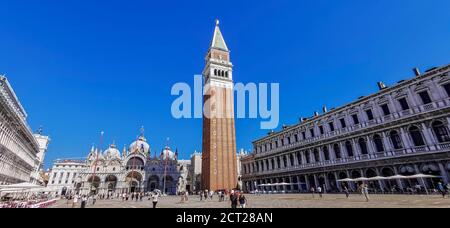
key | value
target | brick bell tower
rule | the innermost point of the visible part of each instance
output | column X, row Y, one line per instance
column 219, row 159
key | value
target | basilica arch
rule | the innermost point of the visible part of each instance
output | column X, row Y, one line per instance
column 153, row 183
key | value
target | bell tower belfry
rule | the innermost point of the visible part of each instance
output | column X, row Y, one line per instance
column 219, row 159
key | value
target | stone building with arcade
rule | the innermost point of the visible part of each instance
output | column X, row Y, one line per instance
column 400, row 130
column 132, row 170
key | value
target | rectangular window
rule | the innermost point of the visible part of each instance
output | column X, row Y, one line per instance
column 304, row 135
column 331, row 124
column 289, row 140
column 355, row 119
column 296, row 137
column 404, row 104
column 385, row 109
column 425, row 97
column 276, row 144
column 312, row 132
column 369, row 114
column 343, row 123
column 447, row 89
column 321, row 130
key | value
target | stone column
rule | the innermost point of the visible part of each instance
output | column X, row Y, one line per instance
column 422, row 181
column 308, row 186
column 387, row 144
column 370, row 145
column 303, row 157
column 406, row 141
column 444, row 173
column 399, row 181
column 327, row 184
column 316, row 181
column 338, row 184
column 357, row 150
column 295, row 159
column 351, row 185
column 429, row 138
column 380, row 182
column 288, row 159
column 344, row 153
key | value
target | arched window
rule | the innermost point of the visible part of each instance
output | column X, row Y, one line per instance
column 215, row 72
column 416, row 136
column 222, row 73
column 226, row 74
column 378, row 143
column 267, row 164
column 299, row 158
column 273, row 163
column 349, row 148
column 278, row 162
column 363, row 146
column 441, row 132
column 396, row 140
column 337, row 151
column 326, row 153
column 285, row 161
column 257, row 167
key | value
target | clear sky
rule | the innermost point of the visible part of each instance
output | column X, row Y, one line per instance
column 80, row 67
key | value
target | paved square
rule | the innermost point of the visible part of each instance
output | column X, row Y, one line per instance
column 283, row 201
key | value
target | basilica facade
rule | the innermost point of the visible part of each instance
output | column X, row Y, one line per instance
column 112, row 172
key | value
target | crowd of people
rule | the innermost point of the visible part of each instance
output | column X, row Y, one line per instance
column 237, row 198
column 24, row 201
column 364, row 190
column 83, row 201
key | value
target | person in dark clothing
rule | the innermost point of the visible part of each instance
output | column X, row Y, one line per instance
column 234, row 200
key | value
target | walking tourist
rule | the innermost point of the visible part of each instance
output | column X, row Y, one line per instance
column 206, row 194
column 201, row 196
column 319, row 190
column 155, row 199
column 233, row 199
column 346, row 191
column 83, row 201
column 312, row 191
column 75, row 201
column 365, row 191
column 94, row 199
column 441, row 189
column 242, row 201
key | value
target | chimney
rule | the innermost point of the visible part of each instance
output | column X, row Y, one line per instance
column 325, row 109
column 381, row 85
column 416, row 72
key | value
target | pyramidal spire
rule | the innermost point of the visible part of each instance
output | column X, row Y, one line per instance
column 218, row 42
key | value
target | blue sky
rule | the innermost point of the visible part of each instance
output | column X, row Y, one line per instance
column 80, row 67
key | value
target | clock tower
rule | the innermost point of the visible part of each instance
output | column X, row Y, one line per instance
column 219, row 158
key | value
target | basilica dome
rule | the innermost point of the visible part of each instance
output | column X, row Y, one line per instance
column 167, row 154
column 112, row 153
column 140, row 145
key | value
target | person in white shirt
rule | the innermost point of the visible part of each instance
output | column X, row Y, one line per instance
column 155, row 199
